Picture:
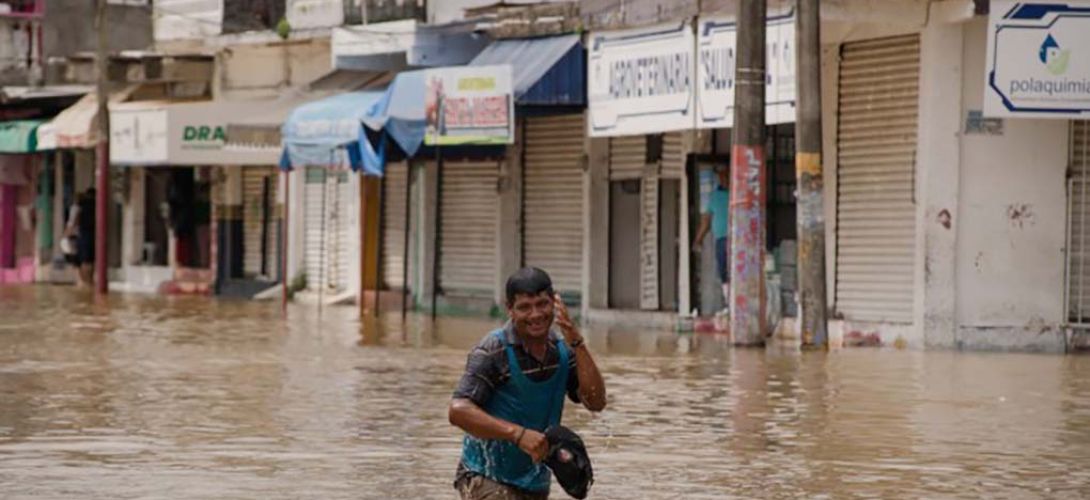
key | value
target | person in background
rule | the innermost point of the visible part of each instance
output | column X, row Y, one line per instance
column 81, row 226
column 715, row 217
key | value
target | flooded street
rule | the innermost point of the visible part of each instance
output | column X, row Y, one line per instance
column 155, row 397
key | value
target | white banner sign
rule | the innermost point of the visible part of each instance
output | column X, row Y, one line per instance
column 469, row 105
column 641, row 81
column 181, row 134
column 1038, row 59
column 717, row 42
column 138, row 136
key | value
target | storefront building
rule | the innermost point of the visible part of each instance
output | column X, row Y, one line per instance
column 175, row 158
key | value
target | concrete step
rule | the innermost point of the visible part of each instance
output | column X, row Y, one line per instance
column 1080, row 341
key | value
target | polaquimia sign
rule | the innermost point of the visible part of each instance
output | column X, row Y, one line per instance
column 1038, row 59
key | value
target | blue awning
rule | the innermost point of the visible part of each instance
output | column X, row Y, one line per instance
column 400, row 111
column 329, row 133
column 547, row 71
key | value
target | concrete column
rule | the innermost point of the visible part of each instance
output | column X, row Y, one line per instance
column 229, row 223
column 596, row 226
column 830, row 107
column 350, row 208
column 937, row 170
column 132, row 230
column 84, row 171
column 60, row 211
column 296, row 231
column 429, row 187
column 694, row 142
column 370, row 209
column 509, row 242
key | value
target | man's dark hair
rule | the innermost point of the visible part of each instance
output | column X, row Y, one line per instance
column 528, row 281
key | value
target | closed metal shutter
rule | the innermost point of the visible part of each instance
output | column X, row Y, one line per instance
column 649, row 244
column 314, row 225
column 328, row 226
column 627, row 157
column 673, row 156
column 553, row 199
column 1078, row 227
column 876, row 222
column 340, row 214
column 259, row 242
column 468, row 227
column 393, row 225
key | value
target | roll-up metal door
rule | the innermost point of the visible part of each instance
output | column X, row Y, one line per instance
column 314, row 225
column 553, row 198
column 328, row 224
column 259, row 242
column 1078, row 227
column 627, row 157
column 393, row 224
column 673, row 156
column 340, row 213
column 876, row 210
column 649, row 244
column 468, row 227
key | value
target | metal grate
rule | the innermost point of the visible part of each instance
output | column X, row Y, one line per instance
column 1078, row 211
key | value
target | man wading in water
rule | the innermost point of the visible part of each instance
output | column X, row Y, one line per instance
column 513, row 389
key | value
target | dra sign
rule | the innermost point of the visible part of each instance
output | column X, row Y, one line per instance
column 203, row 137
column 1038, row 59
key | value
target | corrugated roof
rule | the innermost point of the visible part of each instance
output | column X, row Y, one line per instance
column 545, row 70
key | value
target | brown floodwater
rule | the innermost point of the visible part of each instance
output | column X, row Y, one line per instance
column 157, row 397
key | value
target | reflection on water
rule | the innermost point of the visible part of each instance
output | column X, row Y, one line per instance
column 153, row 397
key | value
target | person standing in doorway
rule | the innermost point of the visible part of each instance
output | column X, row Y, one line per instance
column 715, row 217
column 513, row 389
column 81, row 225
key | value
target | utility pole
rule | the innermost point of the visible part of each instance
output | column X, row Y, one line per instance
column 102, row 156
column 811, row 203
column 747, row 199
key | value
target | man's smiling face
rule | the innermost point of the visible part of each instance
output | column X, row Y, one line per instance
column 532, row 315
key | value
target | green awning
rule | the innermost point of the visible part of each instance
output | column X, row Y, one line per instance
column 19, row 136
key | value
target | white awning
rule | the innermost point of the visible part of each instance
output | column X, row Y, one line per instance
column 75, row 127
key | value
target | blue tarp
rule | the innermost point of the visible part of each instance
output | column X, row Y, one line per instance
column 545, row 71
column 400, row 112
column 329, row 133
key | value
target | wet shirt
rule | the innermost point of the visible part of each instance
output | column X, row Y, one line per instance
column 719, row 207
column 487, row 369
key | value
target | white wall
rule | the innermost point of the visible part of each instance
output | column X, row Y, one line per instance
column 264, row 71
column 309, row 14
column 937, row 167
column 187, row 19
column 1010, row 265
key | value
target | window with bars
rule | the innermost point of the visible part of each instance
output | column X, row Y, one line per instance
column 1078, row 225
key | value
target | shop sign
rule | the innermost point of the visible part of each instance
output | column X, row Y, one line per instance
column 1038, row 60
column 641, row 81
column 185, row 134
column 138, row 136
column 469, row 105
column 716, row 55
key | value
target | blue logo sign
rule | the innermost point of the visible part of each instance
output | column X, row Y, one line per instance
column 1053, row 57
